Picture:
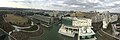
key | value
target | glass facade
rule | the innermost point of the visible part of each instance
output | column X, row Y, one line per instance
column 67, row 22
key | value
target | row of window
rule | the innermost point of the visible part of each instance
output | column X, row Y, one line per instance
column 87, row 37
column 72, row 29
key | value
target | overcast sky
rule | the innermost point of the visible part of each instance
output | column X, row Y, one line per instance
column 82, row 5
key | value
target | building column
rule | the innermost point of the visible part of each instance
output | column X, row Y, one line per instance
column 79, row 34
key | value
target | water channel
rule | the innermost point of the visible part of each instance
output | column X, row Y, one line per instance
column 51, row 33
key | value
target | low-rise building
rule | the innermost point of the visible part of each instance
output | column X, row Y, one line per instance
column 74, row 25
column 44, row 20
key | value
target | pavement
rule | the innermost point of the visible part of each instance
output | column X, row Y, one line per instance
column 102, row 34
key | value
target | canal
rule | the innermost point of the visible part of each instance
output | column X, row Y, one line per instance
column 51, row 33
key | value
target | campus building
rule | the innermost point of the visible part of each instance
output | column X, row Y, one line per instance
column 80, row 26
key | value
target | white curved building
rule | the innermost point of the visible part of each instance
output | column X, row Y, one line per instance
column 81, row 26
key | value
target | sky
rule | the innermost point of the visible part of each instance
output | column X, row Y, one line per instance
column 66, row 5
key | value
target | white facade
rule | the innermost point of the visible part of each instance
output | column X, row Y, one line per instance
column 87, row 32
column 105, row 23
column 66, row 32
column 82, row 22
column 100, row 16
column 83, row 29
column 113, row 18
column 108, row 19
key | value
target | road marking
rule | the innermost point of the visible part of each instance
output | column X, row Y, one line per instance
column 99, row 33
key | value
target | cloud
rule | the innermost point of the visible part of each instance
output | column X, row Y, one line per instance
column 71, row 4
column 4, row 3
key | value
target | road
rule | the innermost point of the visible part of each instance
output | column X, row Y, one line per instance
column 103, row 34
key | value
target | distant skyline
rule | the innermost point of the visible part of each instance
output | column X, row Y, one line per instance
column 79, row 5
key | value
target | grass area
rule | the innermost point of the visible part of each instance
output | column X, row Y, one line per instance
column 5, row 26
column 16, row 20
